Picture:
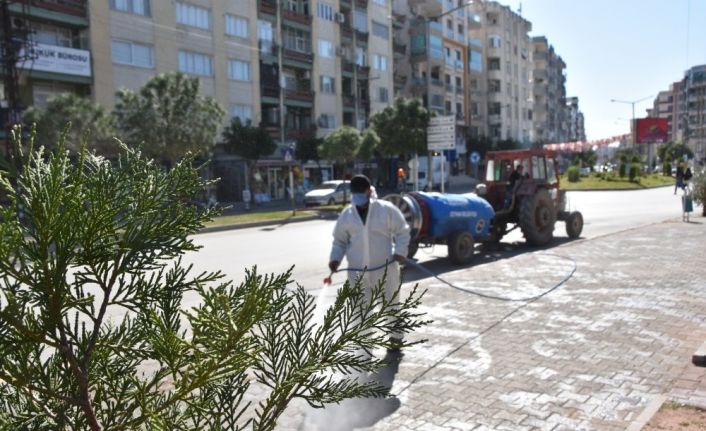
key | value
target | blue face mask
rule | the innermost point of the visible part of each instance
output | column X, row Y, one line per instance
column 359, row 199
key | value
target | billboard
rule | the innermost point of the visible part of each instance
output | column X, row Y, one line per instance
column 652, row 130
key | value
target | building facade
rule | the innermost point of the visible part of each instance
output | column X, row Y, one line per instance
column 505, row 91
column 549, row 94
column 693, row 94
column 45, row 52
column 573, row 121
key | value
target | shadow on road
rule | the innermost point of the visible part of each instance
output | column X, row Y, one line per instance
column 485, row 253
column 357, row 412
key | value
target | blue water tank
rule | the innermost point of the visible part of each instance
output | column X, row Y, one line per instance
column 448, row 213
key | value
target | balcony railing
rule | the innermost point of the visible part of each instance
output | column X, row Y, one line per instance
column 71, row 7
column 268, row 7
column 301, row 133
column 297, row 17
column 301, row 95
column 270, row 90
column 290, row 54
column 399, row 48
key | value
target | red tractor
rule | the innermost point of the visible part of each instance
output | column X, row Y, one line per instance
column 533, row 202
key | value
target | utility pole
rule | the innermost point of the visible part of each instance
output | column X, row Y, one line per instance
column 9, row 69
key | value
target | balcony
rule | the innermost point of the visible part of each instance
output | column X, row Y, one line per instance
column 301, row 133
column 268, row 7
column 399, row 48
column 297, row 17
column 348, row 100
column 269, row 90
column 69, row 7
column 304, row 57
column 400, row 80
column 346, row 31
column 300, row 95
column 361, row 4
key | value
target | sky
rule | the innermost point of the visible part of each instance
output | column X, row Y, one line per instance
column 619, row 49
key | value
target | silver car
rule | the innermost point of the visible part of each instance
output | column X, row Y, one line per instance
column 328, row 193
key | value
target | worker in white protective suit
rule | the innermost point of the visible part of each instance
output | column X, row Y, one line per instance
column 370, row 233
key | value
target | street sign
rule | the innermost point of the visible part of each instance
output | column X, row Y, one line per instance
column 441, row 121
column 441, row 133
column 475, row 157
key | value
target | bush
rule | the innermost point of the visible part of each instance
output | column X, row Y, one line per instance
column 635, row 171
column 573, row 174
column 622, row 170
column 667, row 169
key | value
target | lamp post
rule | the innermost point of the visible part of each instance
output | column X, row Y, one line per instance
column 428, row 21
column 632, row 103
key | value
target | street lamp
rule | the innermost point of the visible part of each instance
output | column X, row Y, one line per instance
column 634, row 126
column 428, row 21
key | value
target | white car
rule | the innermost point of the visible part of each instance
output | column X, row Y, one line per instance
column 328, row 193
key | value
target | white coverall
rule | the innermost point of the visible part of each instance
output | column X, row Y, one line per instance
column 371, row 244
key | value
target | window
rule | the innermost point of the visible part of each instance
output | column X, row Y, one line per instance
column 52, row 35
column 238, row 70
column 493, row 64
column 327, row 84
column 361, row 21
column 243, row 112
column 195, row 63
column 475, row 62
column 327, row 121
column 383, row 95
column 381, row 30
column 297, row 40
column 193, row 16
column 436, row 45
column 326, row 48
column 494, row 41
column 380, row 62
column 325, row 11
column 360, row 56
column 137, row 7
column 494, row 86
column 236, row 26
column 265, row 36
column 494, row 108
column 134, row 54
column 380, row 2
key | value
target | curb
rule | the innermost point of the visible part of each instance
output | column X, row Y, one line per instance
column 648, row 413
column 279, row 221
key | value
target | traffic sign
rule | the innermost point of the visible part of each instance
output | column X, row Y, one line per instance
column 440, row 121
column 475, row 157
column 440, row 129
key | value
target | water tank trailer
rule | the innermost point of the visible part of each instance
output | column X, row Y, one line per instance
column 457, row 220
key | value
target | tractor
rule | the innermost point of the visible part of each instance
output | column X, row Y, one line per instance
column 535, row 203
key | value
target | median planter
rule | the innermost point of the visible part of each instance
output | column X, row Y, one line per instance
column 698, row 187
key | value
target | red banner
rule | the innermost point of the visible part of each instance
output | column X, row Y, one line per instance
column 652, row 130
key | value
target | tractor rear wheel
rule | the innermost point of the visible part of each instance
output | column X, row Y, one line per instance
column 537, row 218
column 461, row 247
column 574, row 224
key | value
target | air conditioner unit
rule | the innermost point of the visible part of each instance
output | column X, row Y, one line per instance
column 339, row 17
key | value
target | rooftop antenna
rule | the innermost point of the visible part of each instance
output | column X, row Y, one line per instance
column 519, row 9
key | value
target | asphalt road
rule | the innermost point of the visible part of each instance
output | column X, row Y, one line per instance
column 305, row 245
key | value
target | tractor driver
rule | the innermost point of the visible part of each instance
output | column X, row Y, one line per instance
column 513, row 182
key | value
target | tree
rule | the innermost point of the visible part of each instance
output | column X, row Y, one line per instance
column 249, row 142
column 674, row 151
column 402, row 127
column 92, row 333
column 341, row 146
column 308, row 149
column 82, row 114
column 369, row 144
column 169, row 117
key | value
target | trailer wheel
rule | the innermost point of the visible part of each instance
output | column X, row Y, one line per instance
column 537, row 218
column 461, row 247
column 574, row 224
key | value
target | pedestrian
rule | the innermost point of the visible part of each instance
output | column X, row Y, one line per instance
column 687, row 177
column 513, row 182
column 373, row 234
column 687, row 204
column 679, row 178
column 401, row 179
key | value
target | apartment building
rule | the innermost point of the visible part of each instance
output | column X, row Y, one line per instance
column 666, row 105
column 573, row 121
column 549, row 94
column 49, row 44
column 693, row 94
column 507, row 53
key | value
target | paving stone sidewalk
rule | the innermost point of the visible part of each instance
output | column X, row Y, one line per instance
column 589, row 355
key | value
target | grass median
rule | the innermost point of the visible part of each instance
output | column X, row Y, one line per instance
column 611, row 181
column 261, row 216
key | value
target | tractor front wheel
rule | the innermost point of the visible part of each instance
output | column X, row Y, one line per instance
column 461, row 248
column 574, row 224
column 537, row 218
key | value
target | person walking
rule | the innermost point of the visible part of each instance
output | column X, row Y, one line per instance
column 374, row 237
column 679, row 183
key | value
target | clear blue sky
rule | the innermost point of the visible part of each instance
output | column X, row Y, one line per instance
column 619, row 49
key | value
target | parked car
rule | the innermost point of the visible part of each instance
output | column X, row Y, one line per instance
column 328, row 193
